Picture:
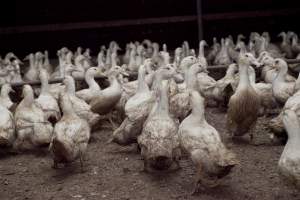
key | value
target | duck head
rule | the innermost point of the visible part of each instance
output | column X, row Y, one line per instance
column 187, row 62
column 248, row 59
column 281, row 65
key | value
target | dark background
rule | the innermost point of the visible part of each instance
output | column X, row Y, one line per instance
column 35, row 13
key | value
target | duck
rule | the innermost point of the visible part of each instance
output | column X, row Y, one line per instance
column 105, row 100
column 244, row 104
column 177, row 57
column 179, row 102
column 222, row 58
column 214, row 50
column 202, row 142
column 295, row 44
column 264, row 90
column 70, row 136
column 289, row 162
column 101, row 59
column 47, row 65
column 217, row 90
column 5, row 100
column 82, row 109
column 286, row 45
column 94, row 88
column 32, row 128
column 201, row 58
column 46, row 101
column 159, row 141
column 137, row 109
column 7, row 128
column 32, row 73
column 282, row 89
column 276, row 124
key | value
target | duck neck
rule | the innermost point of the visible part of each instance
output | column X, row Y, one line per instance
column 89, row 78
column 244, row 78
column 44, row 85
column 252, row 78
column 71, row 88
column 142, row 85
column 201, row 50
column 163, row 104
column 31, row 62
column 28, row 99
column 282, row 73
column 191, row 79
column 198, row 111
column 295, row 40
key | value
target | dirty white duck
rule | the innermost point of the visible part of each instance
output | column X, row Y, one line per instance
column 293, row 103
column 94, row 88
column 286, row 45
column 105, row 100
column 5, row 100
column 7, row 127
column 32, row 73
column 82, row 109
column 137, row 109
column 71, row 135
column 180, row 102
column 214, row 50
column 32, row 127
column 47, row 65
column 222, row 58
column 203, row 143
column 46, row 101
column 217, row 90
column 289, row 162
column 282, row 89
column 264, row 90
column 201, row 57
column 244, row 104
column 159, row 140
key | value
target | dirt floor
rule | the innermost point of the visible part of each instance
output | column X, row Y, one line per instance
column 110, row 174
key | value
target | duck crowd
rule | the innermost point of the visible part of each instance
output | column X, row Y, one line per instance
column 162, row 111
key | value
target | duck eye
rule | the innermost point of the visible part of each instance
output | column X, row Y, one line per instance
column 247, row 56
column 276, row 62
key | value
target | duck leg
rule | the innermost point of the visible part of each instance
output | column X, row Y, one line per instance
column 198, row 181
column 55, row 164
column 81, row 161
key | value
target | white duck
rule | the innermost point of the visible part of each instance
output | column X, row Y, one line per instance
column 94, row 88
column 32, row 73
column 264, row 90
column 46, row 101
column 203, row 143
column 159, row 140
column 47, row 65
column 7, row 127
column 4, row 96
column 282, row 89
column 244, row 104
column 289, row 162
column 137, row 109
column 32, row 128
column 201, row 57
column 82, row 109
column 71, row 135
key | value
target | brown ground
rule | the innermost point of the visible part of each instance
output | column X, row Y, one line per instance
column 115, row 175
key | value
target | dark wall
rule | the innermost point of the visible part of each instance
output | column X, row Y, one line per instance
column 33, row 12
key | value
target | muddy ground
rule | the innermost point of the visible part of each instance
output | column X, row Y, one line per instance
column 110, row 174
